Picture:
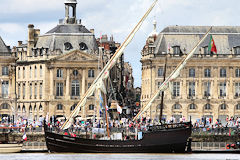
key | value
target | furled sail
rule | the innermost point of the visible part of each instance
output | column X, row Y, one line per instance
column 171, row 77
column 98, row 82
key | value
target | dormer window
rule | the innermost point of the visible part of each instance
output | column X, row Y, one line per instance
column 68, row 46
column 236, row 50
column 41, row 52
column 35, row 53
column 205, row 50
column 176, row 50
column 83, row 46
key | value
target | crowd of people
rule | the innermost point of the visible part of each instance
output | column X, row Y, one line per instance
column 21, row 125
column 127, row 125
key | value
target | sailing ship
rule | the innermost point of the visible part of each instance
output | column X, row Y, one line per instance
column 157, row 139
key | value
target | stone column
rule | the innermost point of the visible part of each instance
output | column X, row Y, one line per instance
column 215, row 83
column 215, row 111
column 68, row 85
column 83, row 91
column 183, row 89
column 231, row 109
column 66, row 11
column 200, row 84
column 230, row 90
column 51, row 84
column 185, row 110
column 83, row 82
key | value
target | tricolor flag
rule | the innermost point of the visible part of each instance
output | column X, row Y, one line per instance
column 24, row 137
column 211, row 46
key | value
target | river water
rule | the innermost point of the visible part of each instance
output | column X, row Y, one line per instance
column 47, row 156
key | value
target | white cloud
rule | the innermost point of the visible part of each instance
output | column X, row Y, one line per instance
column 29, row 6
column 13, row 32
column 11, row 28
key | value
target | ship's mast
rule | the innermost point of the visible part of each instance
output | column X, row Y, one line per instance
column 164, row 77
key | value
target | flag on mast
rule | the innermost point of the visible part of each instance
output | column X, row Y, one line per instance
column 211, row 46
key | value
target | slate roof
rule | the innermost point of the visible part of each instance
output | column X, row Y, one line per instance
column 69, row 28
column 225, row 37
column 3, row 48
column 71, row 33
column 201, row 29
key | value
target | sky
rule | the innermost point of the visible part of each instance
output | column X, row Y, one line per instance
column 117, row 18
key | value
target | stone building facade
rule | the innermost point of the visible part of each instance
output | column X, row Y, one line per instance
column 208, row 86
column 120, row 82
column 7, row 84
column 55, row 69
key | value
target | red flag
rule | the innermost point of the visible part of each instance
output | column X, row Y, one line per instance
column 211, row 46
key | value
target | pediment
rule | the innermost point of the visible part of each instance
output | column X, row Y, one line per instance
column 76, row 56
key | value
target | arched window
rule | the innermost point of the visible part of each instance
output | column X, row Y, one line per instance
column 83, row 46
column 23, row 108
column 59, row 73
column 68, row 46
column 35, row 72
column 236, row 50
column 238, row 107
column 223, row 106
column 176, row 106
column 75, row 88
column 192, row 106
column 40, row 107
column 35, row 108
column 207, row 106
column 30, row 108
column 23, row 72
column 19, row 109
column 59, row 107
column 176, row 50
column 91, row 107
column 73, row 107
column 41, row 71
column 5, row 106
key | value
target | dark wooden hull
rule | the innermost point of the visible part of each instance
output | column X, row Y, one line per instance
column 160, row 141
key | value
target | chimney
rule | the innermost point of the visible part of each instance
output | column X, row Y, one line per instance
column 92, row 31
column 30, row 33
column 37, row 32
column 111, row 38
column 19, row 43
column 30, row 43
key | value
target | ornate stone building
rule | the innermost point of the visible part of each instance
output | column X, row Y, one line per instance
column 7, row 85
column 120, row 84
column 208, row 86
column 55, row 69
